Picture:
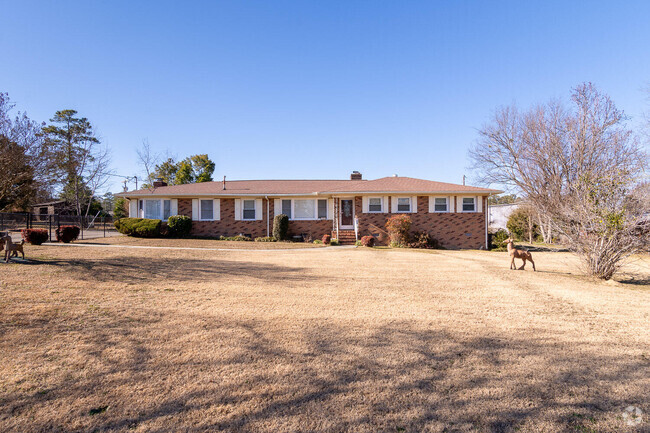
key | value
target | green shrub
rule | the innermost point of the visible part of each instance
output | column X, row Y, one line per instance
column 327, row 239
column 318, row 241
column 67, row 234
column 265, row 239
column 334, row 242
column 179, row 226
column 520, row 224
column 398, row 227
column 368, row 241
column 238, row 238
column 496, row 243
column 34, row 236
column 139, row 227
column 280, row 227
column 424, row 240
column 119, row 208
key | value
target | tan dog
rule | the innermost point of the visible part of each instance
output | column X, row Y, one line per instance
column 515, row 253
column 12, row 249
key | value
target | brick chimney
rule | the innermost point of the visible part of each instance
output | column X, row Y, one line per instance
column 355, row 175
column 158, row 182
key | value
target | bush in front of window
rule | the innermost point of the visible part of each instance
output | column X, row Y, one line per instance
column 280, row 227
column 67, row 234
column 327, row 239
column 139, row 227
column 265, row 239
column 398, row 227
column 34, row 236
column 179, row 226
column 368, row 241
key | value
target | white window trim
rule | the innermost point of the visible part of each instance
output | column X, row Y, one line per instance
column 216, row 209
column 410, row 199
column 254, row 209
column 381, row 205
column 173, row 207
column 462, row 204
column 433, row 205
column 315, row 217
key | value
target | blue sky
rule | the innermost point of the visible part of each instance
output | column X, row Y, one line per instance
column 306, row 89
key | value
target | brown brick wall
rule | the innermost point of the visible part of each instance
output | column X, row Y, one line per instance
column 452, row 230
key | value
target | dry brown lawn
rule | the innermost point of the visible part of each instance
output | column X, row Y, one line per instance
column 196, row 243
column 321, row 340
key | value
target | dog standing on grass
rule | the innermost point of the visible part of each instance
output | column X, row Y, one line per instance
column 12, row 249
column 516, row 253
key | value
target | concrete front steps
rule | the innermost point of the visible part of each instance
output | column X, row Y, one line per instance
column 346, row 237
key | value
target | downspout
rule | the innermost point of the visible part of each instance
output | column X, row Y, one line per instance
column 268, row 213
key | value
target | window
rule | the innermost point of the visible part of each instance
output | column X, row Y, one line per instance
column 468, row 204
column 374, row 204
column 249, row 210
column 322, row 209
column 286, row 208
column 440, row 204
column 404, row 204
column 304, row 209
column 207, row 210
column 152, row 209
column 167, row 209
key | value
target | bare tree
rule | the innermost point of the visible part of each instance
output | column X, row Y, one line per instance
column 579, row 166
column 147, row 160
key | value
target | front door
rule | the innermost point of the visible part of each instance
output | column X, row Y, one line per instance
column 347, row 214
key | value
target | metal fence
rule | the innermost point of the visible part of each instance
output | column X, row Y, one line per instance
column 91, row 227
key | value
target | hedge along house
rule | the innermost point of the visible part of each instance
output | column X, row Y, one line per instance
column 453, row 214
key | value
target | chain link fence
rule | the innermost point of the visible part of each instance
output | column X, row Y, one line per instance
column 91, row 227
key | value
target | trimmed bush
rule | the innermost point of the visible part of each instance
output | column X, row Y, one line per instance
column 265, row 239
column 368, row 241
column 67, row 234
column 179, row 226
column 327, row 239
column 238, row 238
column 139, row 227
column 280, row 227
column 34, row 236
column 424, row 240
column 334, row 242
column 398, row 227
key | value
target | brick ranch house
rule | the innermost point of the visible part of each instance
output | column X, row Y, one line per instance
column 453, row 214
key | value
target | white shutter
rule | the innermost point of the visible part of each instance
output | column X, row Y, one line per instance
column 133, row 208
column 216, row 209
column 479, row 204
column 277, row 207
column 258, row 209
column 195, row 209
column 237, row 209
column 459, row 204
column 450, row 203
column 414, row 204
column 393, row 204
column 174, row 207
column 432, row 204
column 364, row 204
column 330, row 209
column 384, row 207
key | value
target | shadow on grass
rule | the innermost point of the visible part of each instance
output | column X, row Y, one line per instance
column 249, row 376
column 137, row 270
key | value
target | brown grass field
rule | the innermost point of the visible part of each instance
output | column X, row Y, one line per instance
column 322, row 340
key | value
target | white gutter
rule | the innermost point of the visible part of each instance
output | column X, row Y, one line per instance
column 314, row 194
